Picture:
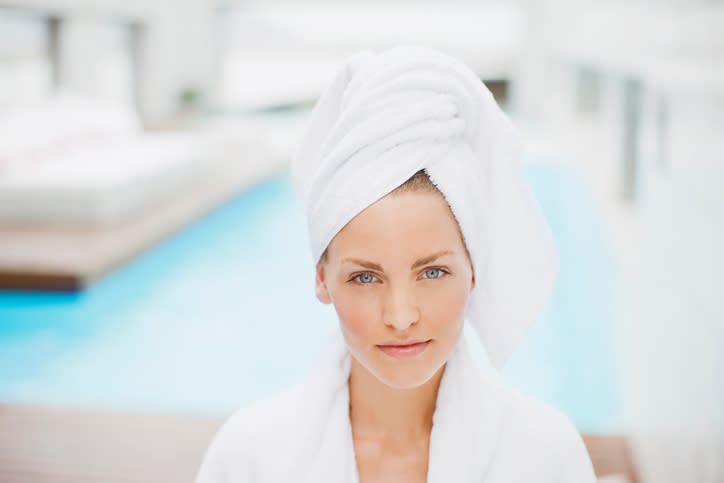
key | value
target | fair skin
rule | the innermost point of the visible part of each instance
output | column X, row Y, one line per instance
column 397, row 271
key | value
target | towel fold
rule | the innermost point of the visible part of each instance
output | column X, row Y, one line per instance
column 386, row 116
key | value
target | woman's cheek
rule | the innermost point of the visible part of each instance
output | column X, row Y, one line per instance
column 356, row 308
column 443, row 304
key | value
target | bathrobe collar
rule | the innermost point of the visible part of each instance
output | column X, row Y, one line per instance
column 467, row 420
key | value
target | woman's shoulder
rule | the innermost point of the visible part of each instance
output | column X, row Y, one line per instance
column 242, row 440
column 530, row 415
column 542, row 436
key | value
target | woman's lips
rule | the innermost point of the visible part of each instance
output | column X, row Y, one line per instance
column 404, row 351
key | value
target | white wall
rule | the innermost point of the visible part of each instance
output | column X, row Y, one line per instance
column 25, row 70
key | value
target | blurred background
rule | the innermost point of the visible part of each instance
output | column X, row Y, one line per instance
column 151, row 245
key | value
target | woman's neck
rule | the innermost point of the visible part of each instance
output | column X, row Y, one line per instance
column 380, row 412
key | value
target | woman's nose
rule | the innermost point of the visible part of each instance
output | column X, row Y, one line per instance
column 401, row 310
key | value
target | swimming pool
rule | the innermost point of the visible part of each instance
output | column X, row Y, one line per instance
column 224, row 313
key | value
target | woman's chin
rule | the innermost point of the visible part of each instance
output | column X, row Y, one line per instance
column 405, row 378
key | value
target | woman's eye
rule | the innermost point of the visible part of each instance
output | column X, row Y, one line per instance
column 433, row 273
column 365, row 278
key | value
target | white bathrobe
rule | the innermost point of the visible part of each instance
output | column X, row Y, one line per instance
column 483, row 431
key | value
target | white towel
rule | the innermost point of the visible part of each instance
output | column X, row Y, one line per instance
column 483, row 431
column 384, row 117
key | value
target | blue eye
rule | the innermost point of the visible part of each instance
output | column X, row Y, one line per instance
column 433, row 273
column 365, row 277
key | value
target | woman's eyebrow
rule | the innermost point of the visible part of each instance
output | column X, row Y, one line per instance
column 431, row 258
column 418, row 263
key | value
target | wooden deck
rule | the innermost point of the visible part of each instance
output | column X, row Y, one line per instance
column 62, row 445
column 68, row 445
column 611, row 455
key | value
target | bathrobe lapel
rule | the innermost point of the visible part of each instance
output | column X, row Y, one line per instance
column 329, row 428
column 466, row 421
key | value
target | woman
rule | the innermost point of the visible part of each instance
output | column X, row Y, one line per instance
column 419, row 219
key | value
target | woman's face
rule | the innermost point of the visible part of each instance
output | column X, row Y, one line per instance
column 397, row 272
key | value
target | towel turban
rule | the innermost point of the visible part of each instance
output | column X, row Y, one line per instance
column 387, row 115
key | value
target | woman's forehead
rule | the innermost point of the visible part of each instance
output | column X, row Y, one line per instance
column 413, row 207
column 409, row 224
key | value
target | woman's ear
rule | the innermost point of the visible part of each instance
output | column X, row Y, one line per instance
column 321, row 285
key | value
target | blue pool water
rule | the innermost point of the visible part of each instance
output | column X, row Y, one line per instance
column 224, row 313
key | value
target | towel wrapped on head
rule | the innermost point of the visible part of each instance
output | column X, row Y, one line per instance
column 387, row 115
